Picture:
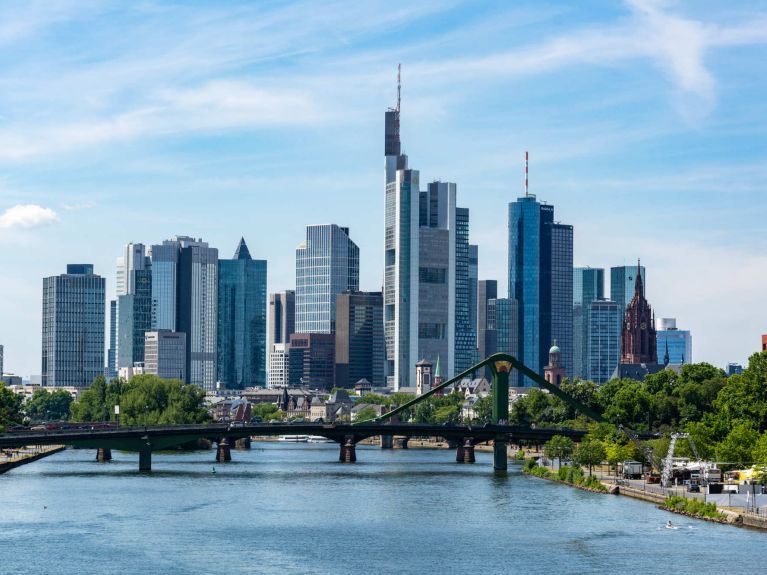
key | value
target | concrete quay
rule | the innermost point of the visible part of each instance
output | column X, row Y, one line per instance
column 19, row 457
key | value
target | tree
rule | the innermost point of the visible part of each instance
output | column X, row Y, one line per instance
column 265, row 411
column 483, row 409
column 760, row 450
column 617, row 452
column 589, row 452
column 558, row 447
column 47, row 405
column 10, row 407
column 738, row 447
column 367, row 412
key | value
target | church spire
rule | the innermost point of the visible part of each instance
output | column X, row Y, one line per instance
column 638, row 285
column 666, row 358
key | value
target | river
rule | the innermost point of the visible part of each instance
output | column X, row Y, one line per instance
column 292, row 508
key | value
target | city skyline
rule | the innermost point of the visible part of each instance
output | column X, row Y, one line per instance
column 669, row 169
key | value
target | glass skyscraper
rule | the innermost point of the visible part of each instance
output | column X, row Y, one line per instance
column 134, row 317
column 164, row 283
column 679, row 342
column 73, row 327
column 622, row 280
column 541, row 281
column 588, row 286
column 242, row 320
column 605, row 320
column 359, row 344
column 327, row 263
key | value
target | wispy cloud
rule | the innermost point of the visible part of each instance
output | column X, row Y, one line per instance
column 27, row 216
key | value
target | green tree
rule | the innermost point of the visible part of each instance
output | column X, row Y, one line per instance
column 366, row 413
column 265, row 411
column 738, row 447
column 616, row 452
column 47, row 405
column 589, row 452
column 10, row 407
column 483, row 409
column 558, row 447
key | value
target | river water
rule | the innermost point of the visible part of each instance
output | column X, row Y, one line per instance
column 292, row 508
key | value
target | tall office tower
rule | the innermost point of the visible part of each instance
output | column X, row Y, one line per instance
column 311, row 357
column 541, row 281
column 73, row 327
column 165, row 354
column 242, row 320
column 588, row 286
column 327, row 263
column 197, row 309
column 733, row 369
column 465, row 338
column 673, row 345
column 279, row 366
column 282, row 317
column 133, row 258
column 473, row 295
column 503, row 318
column 622, row 283
column 111, row 371
column 134, row 318
column 165, row 281
column 131, row 265
column 603, row 347
column 487, row 290
column 359, row 352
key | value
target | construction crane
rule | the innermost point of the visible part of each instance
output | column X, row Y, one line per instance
column 669, row 461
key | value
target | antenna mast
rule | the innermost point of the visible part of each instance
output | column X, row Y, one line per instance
column 399, row 85
column 525, row 173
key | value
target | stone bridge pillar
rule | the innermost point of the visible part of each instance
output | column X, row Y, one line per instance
column 348, row 450
column 103, row 454
column 387, row 442
column 223, row 451
column 401, row 442
column 242, row 443
column 464, row 453
column 145, row 460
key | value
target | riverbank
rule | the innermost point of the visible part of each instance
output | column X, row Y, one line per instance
column 24, row 456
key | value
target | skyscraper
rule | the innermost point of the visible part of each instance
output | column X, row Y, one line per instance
column 197, row 309
column 486, row 332
column 503, row 317
column 327, row 263
column 359, row 344
column 311, row 360
column 473, row 297
column 622, row 282
column 588, row 286
column 134, row 317
column 677, row 342
column 165, row 354
column 541, row 281
column 282, row 317
column 242, row 320
column 603, row 340
column 133, row 258
column 165, row 282
column 111, row 371
column 465, row 338
column 73, row 327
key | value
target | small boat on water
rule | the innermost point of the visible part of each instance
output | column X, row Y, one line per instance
column 293, row 438
column 318, row 439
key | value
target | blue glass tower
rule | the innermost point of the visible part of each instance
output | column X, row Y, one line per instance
column 588, row 286
column 242, row 320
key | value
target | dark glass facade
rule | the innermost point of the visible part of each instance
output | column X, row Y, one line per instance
column 588, row 286
column 242, row 321
column 134, row 317
column 311, row 360
column 359, row 346
column 465, row 332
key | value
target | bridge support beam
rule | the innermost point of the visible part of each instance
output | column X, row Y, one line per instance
column 103, row 454
column 223, row 451
column 348, row 450
column 242, row 443
column 401, row 442
column 464, row 453
column 500, row 455
column 145, row 460
column 387, row 441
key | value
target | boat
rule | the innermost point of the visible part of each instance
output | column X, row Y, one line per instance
column 318, row 439
column 293, row 438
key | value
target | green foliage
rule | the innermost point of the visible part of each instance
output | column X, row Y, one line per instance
column 738, row 447
column 529, row 464
column 47, row 405
column 266, row 411
column 10, row 407
column 483, row 409
column 590, row 452
column 376, row 399
column 366, row 413
column 558, row 447
column 519, row 455
column 693, row 507
column 144, row 400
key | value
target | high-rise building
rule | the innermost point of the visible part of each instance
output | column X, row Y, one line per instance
column 73, row 327
column 311, row 360
column 673, row 345
column 465, row 338
column 473, row 297
column 588, row 286
column 111, row 371
column 197, row 309
column 503, row 319
column 133, row 258
column 165, row 282
column 359, row 344
column 242, row 320
column 279, row 365
column 134, row 318
column 541, row 281
column 282, row 317
column 734, row 369
column 603, row 343
column 327, row 263
column 622, row 283
column 165, row 354
column 487, row 290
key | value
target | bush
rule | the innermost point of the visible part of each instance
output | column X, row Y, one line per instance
column 693, row 507
column 519, row 455
column 529, row 464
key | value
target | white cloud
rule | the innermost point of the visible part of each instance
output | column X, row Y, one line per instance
column 27, row 216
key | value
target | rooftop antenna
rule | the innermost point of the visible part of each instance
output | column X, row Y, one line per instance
column 525, row 170
column 399, row 85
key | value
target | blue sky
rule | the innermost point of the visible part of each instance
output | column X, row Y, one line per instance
column 645, row 121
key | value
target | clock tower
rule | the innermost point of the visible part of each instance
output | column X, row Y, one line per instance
column 638, row 340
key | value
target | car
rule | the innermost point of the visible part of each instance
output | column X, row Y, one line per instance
column 318, row 420
column 274, row 421
column 298, row 420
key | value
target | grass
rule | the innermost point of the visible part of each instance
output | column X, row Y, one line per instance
column 572, row 475
column 693, row 507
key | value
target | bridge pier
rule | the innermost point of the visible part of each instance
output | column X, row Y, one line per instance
column 464, row 453
column 500, row 456
column 145, row 460
column 400, row 442
column 223, row 451
column 348, row 450
column 387, row 441
column 242, row 443
column 103, row 454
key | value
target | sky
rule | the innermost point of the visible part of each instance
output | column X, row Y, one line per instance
column 645, row 123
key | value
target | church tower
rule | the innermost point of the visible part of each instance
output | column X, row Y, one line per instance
column 638, row 342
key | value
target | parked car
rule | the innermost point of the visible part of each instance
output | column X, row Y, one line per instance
column 298, row 420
